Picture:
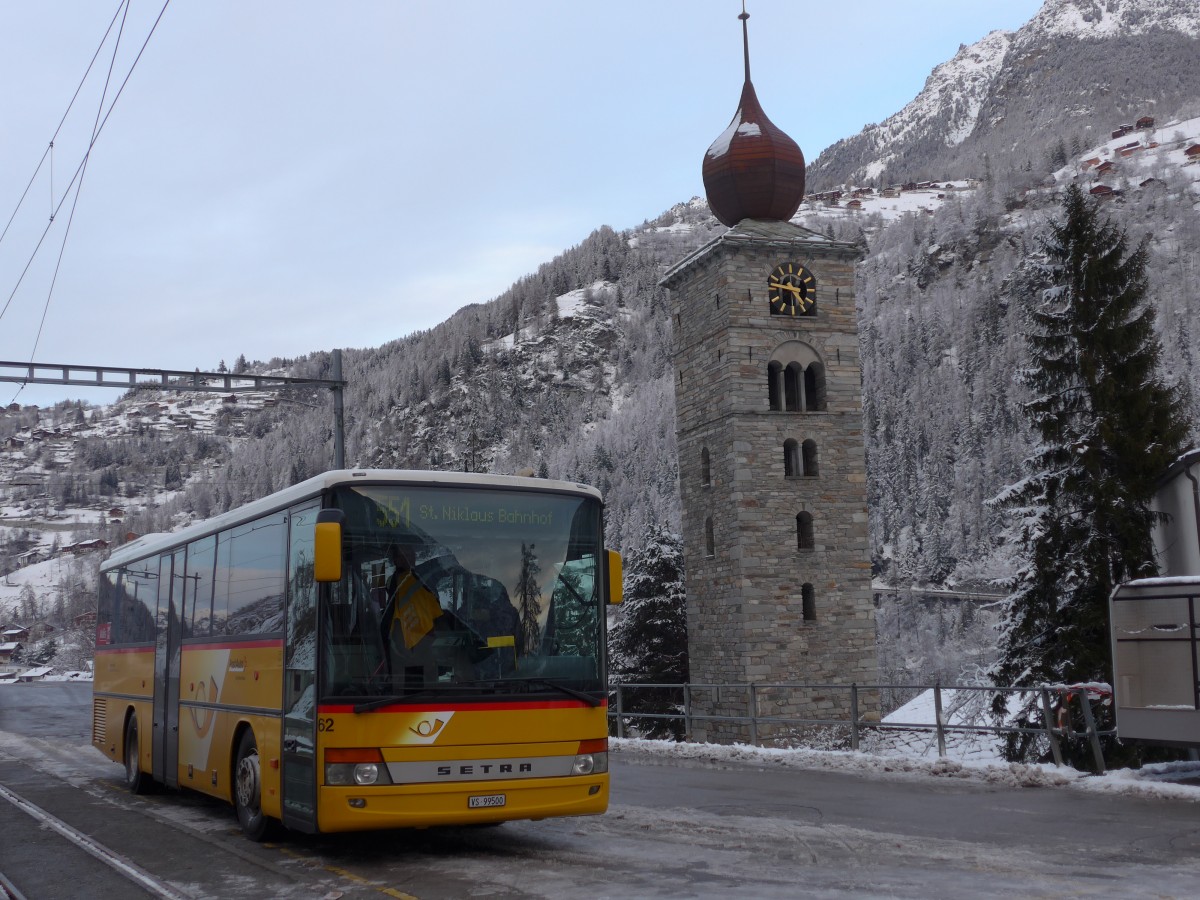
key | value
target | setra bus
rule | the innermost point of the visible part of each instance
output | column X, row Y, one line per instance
column 367, row 649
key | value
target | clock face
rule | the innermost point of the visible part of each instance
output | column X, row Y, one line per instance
column 792, row 290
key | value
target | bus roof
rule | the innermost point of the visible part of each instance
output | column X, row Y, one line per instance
column 154, row 543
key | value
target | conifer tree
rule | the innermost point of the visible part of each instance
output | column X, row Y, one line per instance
column 529, row 600
column 649, row 643
column 1108, row 427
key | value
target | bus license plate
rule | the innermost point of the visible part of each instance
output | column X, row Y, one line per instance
column 485, row 801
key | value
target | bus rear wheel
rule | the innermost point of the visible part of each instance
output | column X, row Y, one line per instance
column 247, row 790
column 136, row 780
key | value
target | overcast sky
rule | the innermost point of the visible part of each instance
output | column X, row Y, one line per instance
column 284, row 177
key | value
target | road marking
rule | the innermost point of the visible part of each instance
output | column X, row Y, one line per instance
column 349, row 876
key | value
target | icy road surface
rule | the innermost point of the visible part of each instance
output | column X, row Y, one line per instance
column 687, row 821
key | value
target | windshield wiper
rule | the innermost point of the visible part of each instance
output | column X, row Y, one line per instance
column 569, row 691
column 376, row 703
column 498, row 685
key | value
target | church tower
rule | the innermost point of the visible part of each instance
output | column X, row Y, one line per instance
column 772, row 465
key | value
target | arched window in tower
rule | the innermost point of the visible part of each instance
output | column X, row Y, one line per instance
column 804, row 532
column 710, row 544
column 775, row 385
column 705, row 467
column 791, row 458
column 793, row 387
column 795, row 378
column 809, row 453
column 808, row 602
column 814, row 388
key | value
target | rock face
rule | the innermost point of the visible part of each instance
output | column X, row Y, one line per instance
column 1071, row 74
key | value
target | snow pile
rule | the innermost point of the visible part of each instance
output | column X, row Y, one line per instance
column 1165, row 780
column 897, row 767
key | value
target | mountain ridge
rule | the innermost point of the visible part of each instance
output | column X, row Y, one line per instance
column 1077, row 68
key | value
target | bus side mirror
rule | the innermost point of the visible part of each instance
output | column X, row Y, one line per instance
column 615, row 576
column 327, row 545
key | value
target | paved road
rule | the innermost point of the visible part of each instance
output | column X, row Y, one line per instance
column 676, row 829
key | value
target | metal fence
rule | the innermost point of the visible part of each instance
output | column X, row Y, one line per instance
column 1055, row 703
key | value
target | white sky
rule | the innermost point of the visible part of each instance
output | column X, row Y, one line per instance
column 284, row 177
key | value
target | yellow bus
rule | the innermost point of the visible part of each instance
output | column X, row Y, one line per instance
column 367, row 649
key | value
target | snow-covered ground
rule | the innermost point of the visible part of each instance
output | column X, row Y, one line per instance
column 888, row 208
column 1177, row 780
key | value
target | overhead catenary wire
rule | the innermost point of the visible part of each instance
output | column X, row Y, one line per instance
column 83, row 162
column 49, row 151
column 79, row 187
column 97, row 128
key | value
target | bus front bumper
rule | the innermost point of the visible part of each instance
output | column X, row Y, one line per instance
column 431, row 805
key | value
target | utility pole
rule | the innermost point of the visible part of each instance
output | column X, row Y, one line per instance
column 126, row 379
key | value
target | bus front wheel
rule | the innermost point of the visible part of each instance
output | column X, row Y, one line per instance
column 136, row 780
column 247, row 790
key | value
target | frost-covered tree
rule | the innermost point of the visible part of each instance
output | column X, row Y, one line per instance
column 529, row 600
column 1108, row 427
column 648, row 645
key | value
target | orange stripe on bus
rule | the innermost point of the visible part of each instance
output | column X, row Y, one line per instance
column 100, row 651
column 234, row 645
column 330, row 709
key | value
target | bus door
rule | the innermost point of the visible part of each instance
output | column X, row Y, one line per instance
column 299, row 759
column 166, row 669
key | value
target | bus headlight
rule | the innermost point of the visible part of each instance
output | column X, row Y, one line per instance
column 592, row 758
column 366, row 773
column 355, row 767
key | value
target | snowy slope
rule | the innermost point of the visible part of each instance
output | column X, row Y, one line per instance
column 1101, row 19
column 1073, row 67
column 947, row 107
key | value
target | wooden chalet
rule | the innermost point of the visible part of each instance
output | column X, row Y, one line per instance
column 86, row 547
column 1103, row 190
column 1145, row 122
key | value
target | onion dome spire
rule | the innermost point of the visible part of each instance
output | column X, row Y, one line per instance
column 753, row 170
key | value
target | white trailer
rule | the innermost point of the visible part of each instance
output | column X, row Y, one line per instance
column 1156, row 666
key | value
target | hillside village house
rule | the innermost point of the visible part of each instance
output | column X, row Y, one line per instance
column 14, row 633
column 86, row 547
column 7, row 649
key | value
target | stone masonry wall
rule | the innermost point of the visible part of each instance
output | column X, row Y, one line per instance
column 745, row 617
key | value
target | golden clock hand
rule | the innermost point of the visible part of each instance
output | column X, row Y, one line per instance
column 783, row 286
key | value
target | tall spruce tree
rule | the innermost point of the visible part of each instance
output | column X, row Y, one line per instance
column 648, row 645
column 1108, row 428
column 529, row 600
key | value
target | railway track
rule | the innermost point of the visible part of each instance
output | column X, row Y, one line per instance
column 126, row 872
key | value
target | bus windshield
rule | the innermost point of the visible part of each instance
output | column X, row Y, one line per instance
column 453, row 591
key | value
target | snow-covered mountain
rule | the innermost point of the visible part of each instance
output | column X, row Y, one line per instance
column 945, row 112
column 1104, row 19
column 1074, row 68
